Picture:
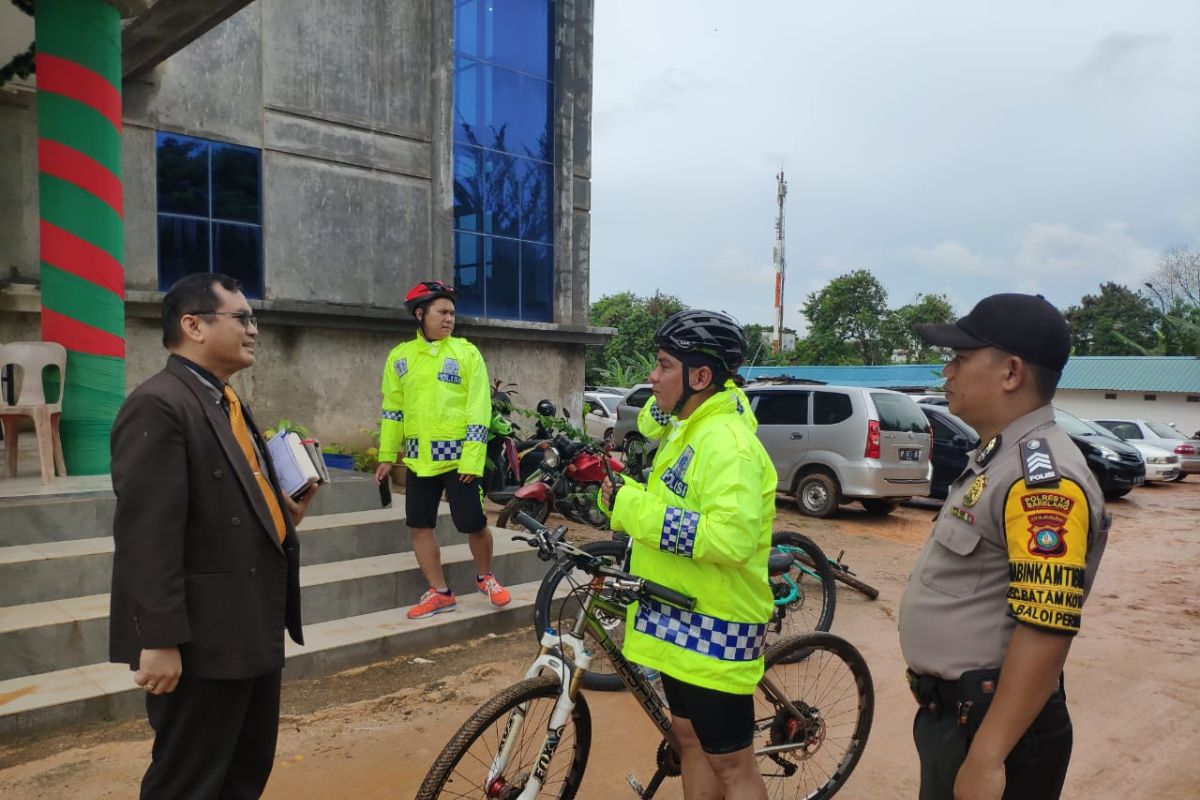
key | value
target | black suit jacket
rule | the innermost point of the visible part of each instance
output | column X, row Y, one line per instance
column 198, row 564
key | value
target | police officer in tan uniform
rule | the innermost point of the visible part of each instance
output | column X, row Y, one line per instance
column 997, row 593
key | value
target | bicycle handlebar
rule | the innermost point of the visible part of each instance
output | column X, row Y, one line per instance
column 550, row 543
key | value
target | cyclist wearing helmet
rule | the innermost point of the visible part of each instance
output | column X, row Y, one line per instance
column 437, row 406
column 702, row 525
column 652, row 420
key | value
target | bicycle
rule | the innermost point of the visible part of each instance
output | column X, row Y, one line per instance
column 803, row 587
column 843, row 574
column 813, row 706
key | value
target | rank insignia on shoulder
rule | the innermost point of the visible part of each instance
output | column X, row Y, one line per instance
column 1038, row 463
column 971, row 495
column 987, row 451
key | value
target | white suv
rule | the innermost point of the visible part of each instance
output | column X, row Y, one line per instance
column 837, row 444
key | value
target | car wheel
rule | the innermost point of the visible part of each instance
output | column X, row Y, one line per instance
column 1179, row 477
column 1115, row 493
column 880, row 508
column 608, row 432
column 817, row 495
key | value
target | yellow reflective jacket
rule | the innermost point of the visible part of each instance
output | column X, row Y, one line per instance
column 702, row 526
column 652, row 420
column 437, row 406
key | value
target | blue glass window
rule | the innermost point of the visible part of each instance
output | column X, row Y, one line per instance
column 209, row 211
column 503, row 158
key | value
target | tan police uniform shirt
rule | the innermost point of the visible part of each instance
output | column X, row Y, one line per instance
column 1019, row 538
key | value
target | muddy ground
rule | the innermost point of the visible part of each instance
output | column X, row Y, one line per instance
column 1133, row 685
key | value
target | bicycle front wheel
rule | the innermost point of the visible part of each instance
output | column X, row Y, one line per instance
column 495, row 752
column 815, row 596
column 558, row 607
column 827, row 681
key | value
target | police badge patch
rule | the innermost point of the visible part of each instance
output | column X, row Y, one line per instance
column 673, row 476
column 449, row 373
column 401, row 367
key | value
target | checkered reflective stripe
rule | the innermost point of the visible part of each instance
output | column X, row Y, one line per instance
column 659, row 416
column 450, row 450
column 410, row 448
column 394, row 416
column 679, row 531
column 477, row 433
column 708, row 636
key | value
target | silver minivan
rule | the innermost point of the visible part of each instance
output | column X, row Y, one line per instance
column 837, row 444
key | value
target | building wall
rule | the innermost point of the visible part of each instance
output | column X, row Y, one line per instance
column 1171, row 408
column 350, row 103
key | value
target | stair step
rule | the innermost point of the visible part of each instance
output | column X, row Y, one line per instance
column 82, row 508
column 46, row 571
column 102, row 691
column 42, row 636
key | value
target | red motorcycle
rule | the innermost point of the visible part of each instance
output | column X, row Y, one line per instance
column 566, row 482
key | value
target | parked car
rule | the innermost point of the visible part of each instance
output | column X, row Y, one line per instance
column 627, row 413
column 1160, row 464
column 953, row 441
column 1118, row 466
column 601, row 414
column 837, row 444
column 1159, row 434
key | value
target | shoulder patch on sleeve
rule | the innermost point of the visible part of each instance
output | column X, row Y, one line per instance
column 1038, row 463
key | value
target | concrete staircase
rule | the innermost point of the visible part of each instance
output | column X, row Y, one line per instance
column 357, row 578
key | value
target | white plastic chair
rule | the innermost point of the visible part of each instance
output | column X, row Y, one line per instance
column 31, row 359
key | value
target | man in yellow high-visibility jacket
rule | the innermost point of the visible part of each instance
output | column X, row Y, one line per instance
column 702, row 526
column 437, row 405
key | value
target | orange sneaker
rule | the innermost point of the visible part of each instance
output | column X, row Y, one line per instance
column 432, row 602
column 495, row 592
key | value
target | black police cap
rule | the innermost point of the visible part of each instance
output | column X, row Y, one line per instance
column 1025, row 325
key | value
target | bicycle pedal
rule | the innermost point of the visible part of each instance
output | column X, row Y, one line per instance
column 636, row 785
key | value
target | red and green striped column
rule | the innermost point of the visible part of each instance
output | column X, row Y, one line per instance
column 82, row 216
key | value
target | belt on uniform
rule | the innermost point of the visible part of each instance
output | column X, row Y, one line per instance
column 973, row 689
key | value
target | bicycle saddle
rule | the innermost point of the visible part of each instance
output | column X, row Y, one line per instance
column 779, row 562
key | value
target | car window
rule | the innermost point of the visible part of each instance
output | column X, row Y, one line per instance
column 898, row 413
column 1125, row 430
column 1165, row 431
column 941, row 431
column 830, row 408
column 1072, row 424
column 638, row 397
column 782, row 408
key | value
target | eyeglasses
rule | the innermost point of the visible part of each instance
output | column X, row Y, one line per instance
column 246, row 318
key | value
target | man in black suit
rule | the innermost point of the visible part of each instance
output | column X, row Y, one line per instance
column 206, row 573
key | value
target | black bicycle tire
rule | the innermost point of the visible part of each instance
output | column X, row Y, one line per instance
column 797, row 649
column 545, row 686
column 867, row 590
column 597, row 680
column 814, row 557
column 517, row 504
column 853, row 581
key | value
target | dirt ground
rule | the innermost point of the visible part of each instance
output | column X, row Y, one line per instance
column 1132, row 683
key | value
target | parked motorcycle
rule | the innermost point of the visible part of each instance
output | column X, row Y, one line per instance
column 566, row 482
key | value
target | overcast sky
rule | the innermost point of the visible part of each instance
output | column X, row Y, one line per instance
column 955, row 147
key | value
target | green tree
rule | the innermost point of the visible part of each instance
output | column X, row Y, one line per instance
column 846, row 322
column 636, row 319
column 900, row 331
column 1115, row 322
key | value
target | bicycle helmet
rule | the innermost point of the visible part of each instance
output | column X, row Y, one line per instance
column 546, row 408
column 425, row 291
column 707, row 333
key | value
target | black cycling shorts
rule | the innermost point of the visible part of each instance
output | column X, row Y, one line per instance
column 724, row 722
column 422, row 495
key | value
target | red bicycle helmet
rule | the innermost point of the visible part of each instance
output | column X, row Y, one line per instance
column 425, row 291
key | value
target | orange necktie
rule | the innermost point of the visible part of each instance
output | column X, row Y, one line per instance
column 242, row 433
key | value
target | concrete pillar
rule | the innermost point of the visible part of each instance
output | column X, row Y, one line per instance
column 81, row 215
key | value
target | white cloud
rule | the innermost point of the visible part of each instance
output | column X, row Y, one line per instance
column 1111, row 253
column 948, row 255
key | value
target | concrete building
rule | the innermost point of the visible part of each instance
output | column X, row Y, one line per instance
column 330, row 155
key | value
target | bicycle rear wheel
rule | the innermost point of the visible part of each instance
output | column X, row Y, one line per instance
column 828, row 681
column 555, row 588
column 813, row 608
column 462, row 768
column 869, row 591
